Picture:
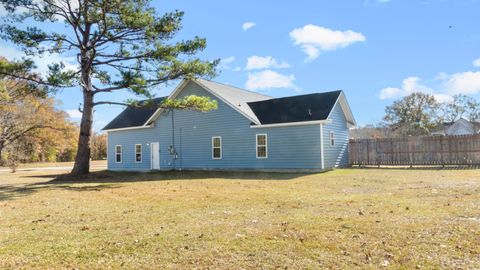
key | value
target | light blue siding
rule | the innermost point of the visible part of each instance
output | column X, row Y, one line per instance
column 336, row 156
column 293, row 147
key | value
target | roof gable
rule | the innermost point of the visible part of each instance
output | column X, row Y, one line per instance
column 342, row 101
column 234, row 97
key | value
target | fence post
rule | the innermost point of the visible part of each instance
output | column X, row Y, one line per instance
column 368, row 151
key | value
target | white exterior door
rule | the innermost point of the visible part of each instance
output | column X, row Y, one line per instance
column 155, row 155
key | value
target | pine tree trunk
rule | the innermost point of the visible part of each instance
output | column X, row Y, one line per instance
column 82, row 159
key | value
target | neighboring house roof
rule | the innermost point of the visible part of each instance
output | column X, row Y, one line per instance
column 134, row 116
column 258, row 108
column 310, row 107
column 461, row 126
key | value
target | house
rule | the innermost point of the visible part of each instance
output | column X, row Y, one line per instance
column 248, row 131
column 461, row 126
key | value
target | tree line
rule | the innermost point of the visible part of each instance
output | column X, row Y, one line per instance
column 420, row 114
column 33, row 129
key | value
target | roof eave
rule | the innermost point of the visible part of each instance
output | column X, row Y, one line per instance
column 128, row 128
column 289, row 124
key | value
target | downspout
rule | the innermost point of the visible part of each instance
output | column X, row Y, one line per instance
column 321, row 147
column 180, row 146
column 173, row 151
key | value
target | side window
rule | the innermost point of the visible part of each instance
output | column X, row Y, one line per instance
column 118, row 153
column 332, row 138
column 138, row 153
column 262, row 151
column 216, row 147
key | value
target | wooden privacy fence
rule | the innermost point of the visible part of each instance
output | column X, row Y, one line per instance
column 435, row 150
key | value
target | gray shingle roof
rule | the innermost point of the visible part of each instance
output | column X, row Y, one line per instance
column 259, row 108
column 310, row 107
column 235, row 96
column 134, row 116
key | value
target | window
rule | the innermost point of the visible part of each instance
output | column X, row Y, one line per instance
column 262, row 146
column 138, row 153
column 118, row 153
column 332, row 138
column 217, row 147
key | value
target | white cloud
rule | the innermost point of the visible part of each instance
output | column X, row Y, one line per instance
column 463, row 83
column 224, row 62
column 73, row 4
column 467, row 83
column 269, row 79
column 248, row 25
column 228, row 60
column 74, row 113
column 443, row 98
column 314, row 39
column 41, row 62
column 259, row 62
column 390, row 92
column 476, row 62
column 409, row 85
column 375, row 2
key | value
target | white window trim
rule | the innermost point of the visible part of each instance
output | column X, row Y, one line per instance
column 135, row 153
column 213, row 147
column 266, row 145
column 121, row 153
column 332, row 136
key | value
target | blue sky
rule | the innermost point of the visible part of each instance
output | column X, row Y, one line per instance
column 374, row 50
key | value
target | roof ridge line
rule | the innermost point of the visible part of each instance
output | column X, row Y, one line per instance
column 241, row 89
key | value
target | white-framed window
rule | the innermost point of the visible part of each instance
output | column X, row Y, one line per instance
column 118, row 153
column 217, row 147
column 138, row 153
column 261, row 146
column 332, row 138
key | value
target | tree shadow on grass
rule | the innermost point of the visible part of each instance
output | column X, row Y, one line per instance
column 126, row 177
column 100, row 180
column 8, row 192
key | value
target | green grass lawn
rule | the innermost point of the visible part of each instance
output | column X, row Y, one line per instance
column 370, row 218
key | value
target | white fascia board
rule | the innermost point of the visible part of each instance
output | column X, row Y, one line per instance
column 345, row 108
column 349, row 110
column 289, row 124
column 129, row 128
